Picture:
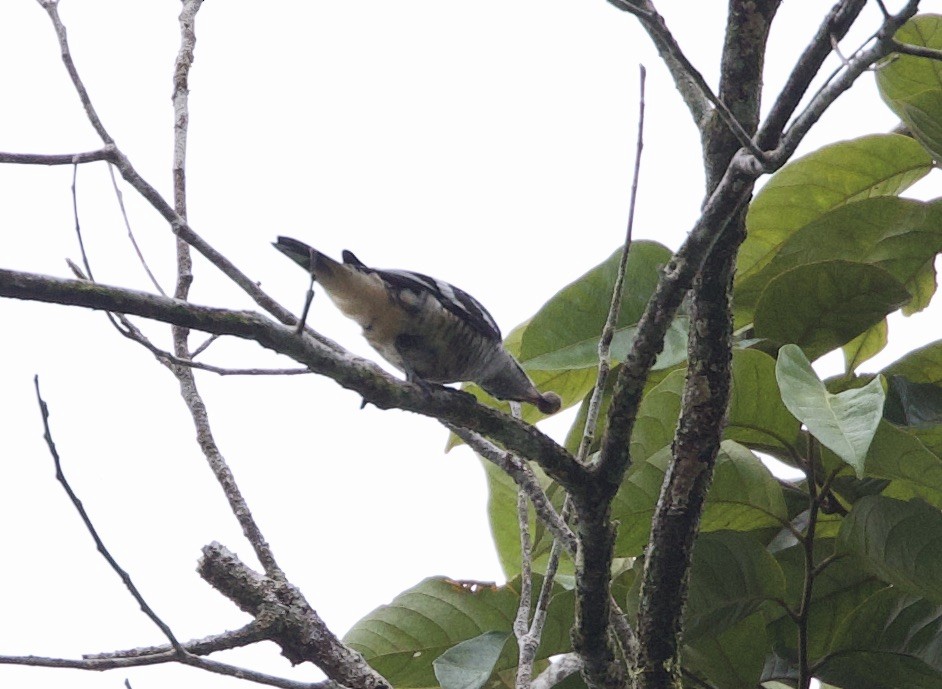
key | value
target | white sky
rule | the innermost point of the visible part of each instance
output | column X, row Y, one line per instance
column 488, row 144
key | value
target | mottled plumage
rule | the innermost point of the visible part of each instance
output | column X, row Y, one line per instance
column 427, row 328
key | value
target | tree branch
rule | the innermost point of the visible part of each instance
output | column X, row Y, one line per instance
column 295, row 626
column 854, row 67
column 707, row 386
column 686, row 75
column 56, row 158
column 834, row 27
column 525, row 479
column 93, row 532
column 365, row 378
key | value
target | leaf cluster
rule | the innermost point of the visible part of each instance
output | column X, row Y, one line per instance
column 839, row 569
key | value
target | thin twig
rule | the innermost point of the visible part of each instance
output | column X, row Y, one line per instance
column 835, row 25
column 184, row 373
column 203, row 347
column 177, row 223
column 525, row 479
column 78, row 226
column 127, row 225
column 194, row 661
column 916, row 50
column 86, row 520
column 857, row 65
column 608, row 330
column 249, row 634
column 807, row 589
column 52, row 9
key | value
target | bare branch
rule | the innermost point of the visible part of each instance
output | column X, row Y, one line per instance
column 86, row 520
column 201, row 663
column 52, row 9
column 236, row 638
column 685, row 74
column 127, row 225
column 608, row 330
column 296, row 627
column 56, row 158
column 835, row 26
column 525, row 479
column 557, row 671
column 916, row 50
column 856, row 65
column 176, row 220
column 363, row 377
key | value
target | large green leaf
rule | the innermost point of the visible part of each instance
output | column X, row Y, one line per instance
column 900, row 542
column 912, row 469
column 469, row 664
column 912, row 86
column 901, row 236
column 565, row 332
column 822, row 306
column 890, row 641
column 923, row 365
column 744, row 496
column 838, row 589
column 845, row 423
column 732, row 574
column 505, row 528
column 913, row 404
column 808, row 187
column 865, row 346
column 732, row 658
column 657, row 417
column 402, row 639
column 757, row 416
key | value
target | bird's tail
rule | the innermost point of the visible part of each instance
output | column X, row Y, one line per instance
column 309, row 258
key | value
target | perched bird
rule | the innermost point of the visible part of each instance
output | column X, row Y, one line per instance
column 432, row 331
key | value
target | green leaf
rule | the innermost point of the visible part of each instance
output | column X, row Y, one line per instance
column 865, row 346
column 402, row 639
column 890, row 641
column 569, row 325
column 911, row 85
column 757, row 417
column 923, row 365
column 901, row 236
column 469, row 664
column 922, row 287
column 845, row 423
column 822, row 306
column 838, row 589
column 913, row 404
column 505, row 528
column 744, row 496
column 732, row 574
column 657, row 417
column 585, row 353
column 900, row 457
column 808, row 187
column 900, row 542
column 733, row 658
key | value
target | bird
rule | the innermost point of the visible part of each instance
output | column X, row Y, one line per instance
column 430, row 330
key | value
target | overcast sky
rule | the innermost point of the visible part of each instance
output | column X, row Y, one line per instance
column 486, row 143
